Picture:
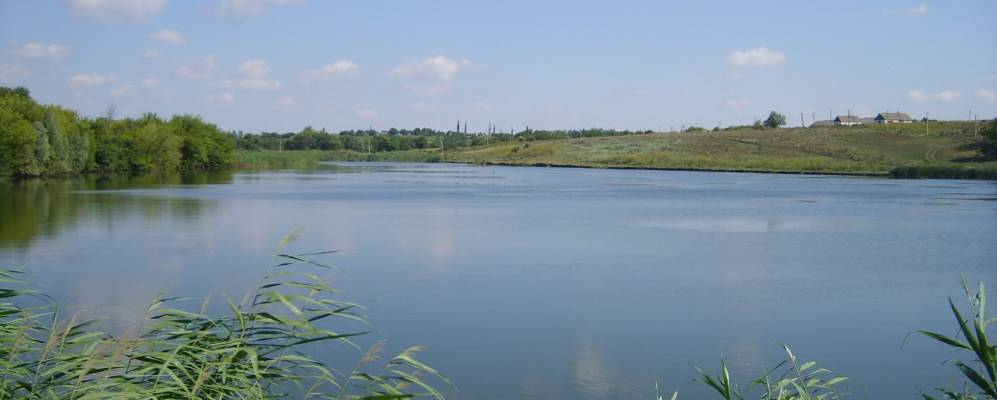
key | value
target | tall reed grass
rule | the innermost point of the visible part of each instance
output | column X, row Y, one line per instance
column 264, row 347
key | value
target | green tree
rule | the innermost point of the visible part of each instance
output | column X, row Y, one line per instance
column 775, row 120
column 57, row 160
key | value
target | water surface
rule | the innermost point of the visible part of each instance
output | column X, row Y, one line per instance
column 547, row 282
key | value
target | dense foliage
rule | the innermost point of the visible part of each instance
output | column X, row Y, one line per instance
column 47, row 140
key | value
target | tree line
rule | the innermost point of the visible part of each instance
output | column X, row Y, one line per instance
column 395, row 139
column 48, row 140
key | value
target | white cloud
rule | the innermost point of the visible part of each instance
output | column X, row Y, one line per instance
column 45, row 51
column 222, row 98
column 119, row 91
column 254, row 76
column 152, row 54
column 252, row 84
column 736, row 104
column 201, row 69
column 948, row 95
column 986, row 95
column 921, row 9
column 760, row 57
column 113, row 9
column 439, row 68
column 340, row 67
column 150, row 83
column 945, row 95
column 80, row 80
column 249, row 8
column 286, row 102
column 365, row 113
column 12, row 73
column 168, row 36
column 254, row 68
column 917, row 95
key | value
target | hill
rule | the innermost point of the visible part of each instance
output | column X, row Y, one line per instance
column 948, row 149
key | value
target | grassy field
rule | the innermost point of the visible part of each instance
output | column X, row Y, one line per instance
column 947, row 150
column 300, row 159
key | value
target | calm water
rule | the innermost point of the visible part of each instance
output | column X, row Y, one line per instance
column 545, row 282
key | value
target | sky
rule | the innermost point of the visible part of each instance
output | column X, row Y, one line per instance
column 279, row 65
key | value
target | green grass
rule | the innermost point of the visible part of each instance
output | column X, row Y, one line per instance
column 303, row 159
column 947, row 151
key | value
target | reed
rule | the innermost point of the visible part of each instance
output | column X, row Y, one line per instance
column 264, row 347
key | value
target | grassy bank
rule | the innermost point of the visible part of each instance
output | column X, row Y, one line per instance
column 301, row 159
column 947, row 151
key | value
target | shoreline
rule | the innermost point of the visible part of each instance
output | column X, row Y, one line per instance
column 686, row 169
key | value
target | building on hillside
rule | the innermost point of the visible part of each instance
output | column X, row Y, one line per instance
column 893, row 118
column 847, row 120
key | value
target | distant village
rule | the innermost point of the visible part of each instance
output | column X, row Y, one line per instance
column 852, row 120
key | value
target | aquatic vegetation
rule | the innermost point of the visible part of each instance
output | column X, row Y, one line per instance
column 974, row 340
column 266, row 346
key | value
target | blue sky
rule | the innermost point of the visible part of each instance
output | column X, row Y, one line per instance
column 263, row 65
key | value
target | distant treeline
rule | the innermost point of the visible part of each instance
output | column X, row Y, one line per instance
column 48, row 140
column 402, row 139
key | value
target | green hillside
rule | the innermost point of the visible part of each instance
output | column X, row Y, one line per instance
column 872, row 150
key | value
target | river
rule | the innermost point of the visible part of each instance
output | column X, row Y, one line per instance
column 548, row 282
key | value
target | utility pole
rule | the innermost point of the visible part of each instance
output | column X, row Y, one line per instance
column 925, row 123
column 465, row 127
column 803, row 124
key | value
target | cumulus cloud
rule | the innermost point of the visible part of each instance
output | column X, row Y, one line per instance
column 80, row 80
column 221, row 98
column 249, row 8
column 917, row 10
column 439, row 68
column 761, row 57
column 152, row 54
column 945, row 95
column 986, row 95
column 365, row 113
column 119, row 91
column 253, row 75
column 736, row 104
column 201, row 69
column 252, row 84
column 168, row 36
column 12, row 73
column 44, row 51
column 114, row 9
column 340, row 67
column 150, row 83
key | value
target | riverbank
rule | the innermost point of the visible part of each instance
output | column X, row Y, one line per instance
column 947, row 152
column 868, row 151
column 302, row 159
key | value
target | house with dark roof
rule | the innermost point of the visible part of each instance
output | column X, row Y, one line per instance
column 847, row 120
column 893, row 118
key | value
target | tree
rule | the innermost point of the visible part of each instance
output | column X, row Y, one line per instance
column 775, row 120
